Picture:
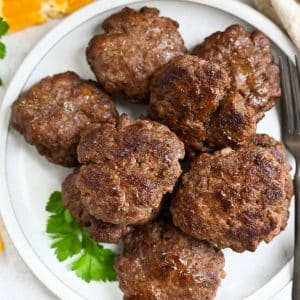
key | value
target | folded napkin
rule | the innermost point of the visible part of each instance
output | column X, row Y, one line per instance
column 285, row 13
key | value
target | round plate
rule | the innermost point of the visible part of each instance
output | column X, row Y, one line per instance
column 27, row 179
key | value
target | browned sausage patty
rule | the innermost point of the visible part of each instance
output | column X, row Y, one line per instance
column 248, row 58
column 275, row 147
column 52, row 113
column 161, row 263
column 216, row 101
column 100, row 231
column 127, row 169
column 191, row 96
column 133, row 46
column 233, row 125
column 237, row 198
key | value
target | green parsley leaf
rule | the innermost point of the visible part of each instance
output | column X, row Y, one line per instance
column 87, row 267
column 94, row 262
column 57, row 224
column 55, row 204
column 2, row 50
column 67, row 247
column 3, row 30
column 101, row 259
column 4, row 27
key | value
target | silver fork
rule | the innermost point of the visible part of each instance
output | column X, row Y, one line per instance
column 290, row 107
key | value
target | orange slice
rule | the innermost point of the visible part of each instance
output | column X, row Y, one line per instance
column 1, row 243
column 23, row 13
column 75, row 4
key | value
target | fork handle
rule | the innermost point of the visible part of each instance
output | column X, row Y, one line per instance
column 296, row 275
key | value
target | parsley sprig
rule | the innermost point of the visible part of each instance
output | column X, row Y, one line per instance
column 4, row 27
column 94, row 261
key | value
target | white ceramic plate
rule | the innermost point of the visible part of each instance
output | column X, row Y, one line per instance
column 27, row 179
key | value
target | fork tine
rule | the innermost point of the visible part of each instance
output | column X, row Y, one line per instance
column 297, row 63
column 295, row 85
column 286, row 104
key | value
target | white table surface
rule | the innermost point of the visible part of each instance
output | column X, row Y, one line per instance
column 16, row 280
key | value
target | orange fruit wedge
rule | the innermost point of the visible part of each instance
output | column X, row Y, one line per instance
column 23, row 13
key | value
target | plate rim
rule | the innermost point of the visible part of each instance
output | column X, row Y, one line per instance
column 26, row 252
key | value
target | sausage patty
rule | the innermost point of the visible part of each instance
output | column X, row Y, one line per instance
column 215, row 101
column 52, row 113
column 160, row 262
column 248, row 59
column 100, row 231
column 127, row 168
column 236, row 198
column 192, row 97
column 133, row 46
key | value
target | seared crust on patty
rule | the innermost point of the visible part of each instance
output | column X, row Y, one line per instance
column 160, row 262
column 52, row 113
column 216, row 100
column 100, row 231
column 247, row 58
column 277, row 149
column 234, row 124
column 236, row 198
column 133, row 46
column 127, row 169
column 185, row 93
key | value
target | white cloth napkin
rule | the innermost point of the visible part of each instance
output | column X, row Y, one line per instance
column 285, row 13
